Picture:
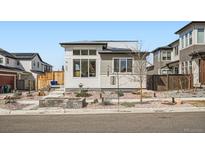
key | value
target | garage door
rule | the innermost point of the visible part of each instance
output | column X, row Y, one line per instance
column 7, row 80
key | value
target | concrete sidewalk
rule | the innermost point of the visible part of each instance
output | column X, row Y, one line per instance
column 59, row 111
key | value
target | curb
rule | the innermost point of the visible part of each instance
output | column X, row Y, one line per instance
column 101, row 111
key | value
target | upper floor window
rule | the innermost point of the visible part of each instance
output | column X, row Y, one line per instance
column 190, row 67
column 18, row 63
column 7, row 60
column 200, row 35
column 182, row 41
column 76, row 52
column 34, row 63
column 84, row 52
column 1, row 60
column 122, row 65
column 166, row 55
column 190, row 38
column 38, row 65
column 186, row 40
column 176, row 50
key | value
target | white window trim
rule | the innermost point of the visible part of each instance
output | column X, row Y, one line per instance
column 120, row 65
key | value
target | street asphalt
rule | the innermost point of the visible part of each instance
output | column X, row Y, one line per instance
column 187, row 122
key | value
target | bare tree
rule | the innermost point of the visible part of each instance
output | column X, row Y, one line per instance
column 140, row 64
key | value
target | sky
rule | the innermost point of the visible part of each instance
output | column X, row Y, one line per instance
column 44, row 37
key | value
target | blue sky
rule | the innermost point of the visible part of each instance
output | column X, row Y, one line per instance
column 44, row 37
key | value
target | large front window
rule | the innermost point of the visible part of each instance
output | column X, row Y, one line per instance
column 122, row 65
column 200, row 35
column 84, row 68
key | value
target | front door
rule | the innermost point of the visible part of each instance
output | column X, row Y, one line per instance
column 202, row 71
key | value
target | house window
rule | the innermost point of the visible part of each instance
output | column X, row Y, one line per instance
column 92, row 52
column 38, row 64
column 176, row 50
column 129, row 65
column 76, row 67
column 182, row 41
column 122, row 65
column 116, row 65
column 34, row 63
column 176, row 70
column 18, row 63
column 7, row 60
column 166, row 55
column 76, row 52
column 92, row 68
column 190, row 38
column 200, row 35
column 84, row 68
column 190, row 67
column 1, row 60
column 186, row 40
column 84, row 52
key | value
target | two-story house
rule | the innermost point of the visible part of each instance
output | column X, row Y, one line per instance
column 32, row 62
column 99, row 64
column 183, row 56
column 20, row 66
column 161, row 56
column 192, row 51
column 9, row 68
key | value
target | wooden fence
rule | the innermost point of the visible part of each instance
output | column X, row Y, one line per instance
column 44, row 80
column 169, row 82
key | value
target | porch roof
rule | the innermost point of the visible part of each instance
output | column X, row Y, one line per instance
column 198, row 54
column 10, row 69
column 173, row 63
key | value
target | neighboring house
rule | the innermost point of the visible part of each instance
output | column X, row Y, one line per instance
column 32, row 62
column 97, row 64
column 18, row 69
column 183, row 56
column 192, row 51
column 161, row 57
column 9, row 68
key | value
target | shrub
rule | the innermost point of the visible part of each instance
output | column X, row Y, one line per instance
column 83, row 93
column 9, row 99
column 120, row 93
column 126, row 104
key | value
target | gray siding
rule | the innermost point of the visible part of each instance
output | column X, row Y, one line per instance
column 184, row 53
column 106, row 60
column 160, row 63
